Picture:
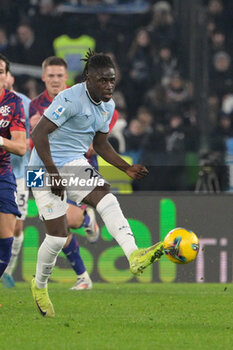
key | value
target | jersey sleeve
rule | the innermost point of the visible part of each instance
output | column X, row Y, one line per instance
column 26, row 104
column 59, row 111
column 32, row 109
column 18, row 118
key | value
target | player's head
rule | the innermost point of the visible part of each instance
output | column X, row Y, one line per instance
column 54, row 75
column 4, row 68
column 100, row 76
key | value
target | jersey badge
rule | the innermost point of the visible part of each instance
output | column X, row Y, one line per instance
column 58, row 112
column 5, row 110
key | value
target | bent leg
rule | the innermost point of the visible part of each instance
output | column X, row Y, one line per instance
column 109, row 209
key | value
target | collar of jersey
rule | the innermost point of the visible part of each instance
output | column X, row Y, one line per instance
column 47, row 95
column 89, row 96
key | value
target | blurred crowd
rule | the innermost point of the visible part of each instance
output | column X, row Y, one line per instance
column 158, row 123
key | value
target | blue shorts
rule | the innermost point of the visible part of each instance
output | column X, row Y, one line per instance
column 8, row 190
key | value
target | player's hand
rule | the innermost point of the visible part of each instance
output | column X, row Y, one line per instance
column 137, row 171
column 57, row 187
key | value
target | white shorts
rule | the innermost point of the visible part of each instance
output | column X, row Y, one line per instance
column 22, row 198
column 85, row 179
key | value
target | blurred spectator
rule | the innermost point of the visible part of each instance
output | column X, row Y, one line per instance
column 104, row 28
column 155, row 100
column 175, row 135
column 227, row 104
column 29, row 49
column 165, row 65
column 225, row 128
column 146, row 118
column 153, row 156
column 217, row 13
column 45, row 21
column 179, row 92
column 5, row 47
column 217, row 42
column 134, row 134
column 140, row 57
column 213, row 110
column 29, row 86
column 211, row 27
column 162, row 26
column 221, row 79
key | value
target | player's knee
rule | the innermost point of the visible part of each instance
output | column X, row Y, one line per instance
column 97, row 195
column 74, row 222
column 57, row 227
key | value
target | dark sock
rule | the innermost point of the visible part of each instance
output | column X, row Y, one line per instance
column 5, row 253
column 86, row 219
column 73, row 255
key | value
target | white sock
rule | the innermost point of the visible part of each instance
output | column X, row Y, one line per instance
column 84, row 275
column 117, row 225
column 46, row 259
column 16, row 247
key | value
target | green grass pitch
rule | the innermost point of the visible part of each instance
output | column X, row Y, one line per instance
column 120, row 317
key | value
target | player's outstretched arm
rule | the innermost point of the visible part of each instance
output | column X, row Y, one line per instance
column 41, row 142
column 106, row 151
column 17, row 144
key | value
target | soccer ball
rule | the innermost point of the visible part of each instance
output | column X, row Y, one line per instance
column 181, row 246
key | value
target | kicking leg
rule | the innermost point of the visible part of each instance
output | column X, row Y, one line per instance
column 117, row 225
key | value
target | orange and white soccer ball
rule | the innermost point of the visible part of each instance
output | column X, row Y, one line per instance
column 181, row 246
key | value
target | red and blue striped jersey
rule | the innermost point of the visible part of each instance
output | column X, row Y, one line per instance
column 12, row 118
column 39, row 103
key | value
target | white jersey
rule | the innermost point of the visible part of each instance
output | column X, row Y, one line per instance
column 78, row 118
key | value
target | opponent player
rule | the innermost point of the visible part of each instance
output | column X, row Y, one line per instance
column 54, row 76
column 18, row 164
column 12, row 140
column 75, row 118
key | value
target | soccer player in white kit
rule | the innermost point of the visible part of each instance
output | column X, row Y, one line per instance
column 77, row 117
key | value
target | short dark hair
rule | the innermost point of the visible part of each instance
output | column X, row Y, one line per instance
column 54, row 61
column 3, row 58
column 95, row 61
